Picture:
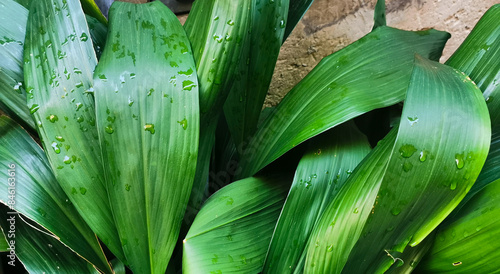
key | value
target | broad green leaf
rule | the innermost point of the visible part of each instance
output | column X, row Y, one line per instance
column 232, row 231
column 12, row 31
column 147, row 108
column 467, row 242
column 330, row 159
column 297, row 9
column 98, row 33
column 341, row 224
column 90, row 8
column 245, row 100
column 478, row 57
column 59, row 61
column 37, row 251
column 218, row 32
column 379, row 15
column 371, row 73
column 439, row 149
column 411, row 257
column 30, row 183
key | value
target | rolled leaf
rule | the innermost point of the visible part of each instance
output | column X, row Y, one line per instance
column 31, row 189
column 379, row 15
column 322, row 171
column 244, row 103
column 12, row 31
column 296, row 11
column 420, row 183
column 98, row 33
column 59, row 61
column 218, row 32
column 371, row 73
column 147, row 108
column 37, row 251
column 90, row 7
column 465, row 243
column 232, row 231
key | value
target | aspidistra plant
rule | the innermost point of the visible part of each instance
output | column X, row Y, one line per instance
column 115, row 127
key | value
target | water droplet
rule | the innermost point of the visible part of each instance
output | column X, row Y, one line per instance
column 423, row 155
column 34, row 108
column 56, row 148
column 132, row 75
column 53, row 118
column 459, row 160
column 395, row 211
column 407, row 166
column 84, row 37
column 79, row 85
column 101, row 76
column 282, row 24
column 308, row 184
column 187, row 72
column 407, row 150
column 73, row 191
column 453, row 185
column 127, row 187
column 67, row 160
column 230, row 22
column 330, row 248
column 456, row 263
column 412, row 120
column 356, row 210
column 130, row 102
column 80, row 119
column 109, row 129
column 83, row 190
column 216, row 18
column 183, row 123
column 150, row 128
column 60, row 138
column 79, row 106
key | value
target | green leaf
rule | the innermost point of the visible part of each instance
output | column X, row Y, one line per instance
column 25, row 3
column 118, row 266
column 233, row 229
column 478, row 57
column 322, row 171
column 146, row 91
column 12, row 31
column 379, row 15
column 371, row 73
column 218, row 32
column 466, row 243
column 37, row 251
column 98, row 33
column 245, row 100
column 59, row 61
column 419, row 178
column 296, row 11
column 91, row 8
column 408, row 261
column 29, row 183
column 4, row 245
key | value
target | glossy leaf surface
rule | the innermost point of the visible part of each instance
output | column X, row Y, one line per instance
column 146, row 93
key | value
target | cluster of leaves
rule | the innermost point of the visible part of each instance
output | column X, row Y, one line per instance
column 156, row 150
